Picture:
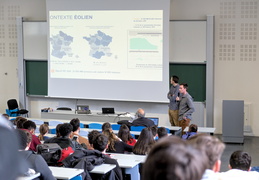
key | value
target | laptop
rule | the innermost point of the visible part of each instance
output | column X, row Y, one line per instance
column 154, row 119
column 83, row 109
column 108, row 111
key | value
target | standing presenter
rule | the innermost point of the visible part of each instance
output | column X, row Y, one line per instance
column 174, row 104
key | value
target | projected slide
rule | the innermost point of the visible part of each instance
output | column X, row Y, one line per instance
column 114, row 45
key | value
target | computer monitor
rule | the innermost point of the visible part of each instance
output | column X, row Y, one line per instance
column 108, row 110
column 155, row 119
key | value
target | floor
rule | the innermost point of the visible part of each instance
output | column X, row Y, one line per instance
column 250, row 145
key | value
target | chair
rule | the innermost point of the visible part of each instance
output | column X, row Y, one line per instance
column 82, row 125
column 95, row 126
column 52, row 131
column 83, row 133
column 116, row 126
column 38, row 122
column 55, row 123
column 137, row 128
column 13, row 109
column 78, row 177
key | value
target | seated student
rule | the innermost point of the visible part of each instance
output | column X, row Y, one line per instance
column 154, row 131
column 191, row 132
column 141, row 120
column 162, row 132
column 213, row 149
column 36, row 162
column 31, row 126
column 64, row 140
column 44, row 130
column 18, row 122
column 125, row 136
column 144, row 143
column 115, row 145
column 100, row 143
column 76, row 129
column 239, row 165
column 12, row 165
column 106, row 125
column 91, row 136
column 171, row 158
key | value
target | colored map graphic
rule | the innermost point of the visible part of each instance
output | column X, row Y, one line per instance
column 99, row 44
column 61, row 45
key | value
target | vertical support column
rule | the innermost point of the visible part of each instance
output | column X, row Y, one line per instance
column 210, row 72
column 21, row 65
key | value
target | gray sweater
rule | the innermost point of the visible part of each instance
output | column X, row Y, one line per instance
column 186, row 107
column 171, row 95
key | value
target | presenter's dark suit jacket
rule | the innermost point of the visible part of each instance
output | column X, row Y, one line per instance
column 143, row 122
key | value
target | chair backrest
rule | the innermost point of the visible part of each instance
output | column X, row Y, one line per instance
column 82, row 125
column 55, row 123
column 95, row 126
column 83, row 133
column 12, row 104
column 38, row 122
column 137, row 128
column 116, row 126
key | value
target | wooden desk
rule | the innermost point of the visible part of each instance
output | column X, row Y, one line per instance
column 209, row 130
column 65, row 173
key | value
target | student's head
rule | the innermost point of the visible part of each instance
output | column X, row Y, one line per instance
column 57, row 130
column 65, row 130
column 174, row 79
column 154, row 130
column 112, row 138
column 100, row 142
column 75, row 124
column 145, row 142
column 193, row 128
column 212, row 147
column 124, row 133
column 106, row 125
column 24, row 138
column 183, row 88
column 173, row 159
column 140, row 113
column 19, row 121
column 92, row 135
column 30, row 125
column 6, row 116
column 44, row 129
column 240, row 160
column 162, row 132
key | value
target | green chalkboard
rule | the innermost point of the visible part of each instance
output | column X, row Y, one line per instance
column 194, row 75
column 36, row 77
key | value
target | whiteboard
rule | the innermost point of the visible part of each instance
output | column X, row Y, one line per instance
column 35, row 40
column 187, row 42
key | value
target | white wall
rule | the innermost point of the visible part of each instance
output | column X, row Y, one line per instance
column 234, row 79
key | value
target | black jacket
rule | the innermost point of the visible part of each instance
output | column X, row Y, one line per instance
column 142, row 121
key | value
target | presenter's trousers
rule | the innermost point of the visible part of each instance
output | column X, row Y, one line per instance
column 173, row 117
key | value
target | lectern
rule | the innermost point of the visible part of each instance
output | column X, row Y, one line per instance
column 233, row 121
